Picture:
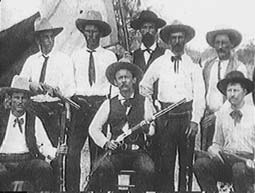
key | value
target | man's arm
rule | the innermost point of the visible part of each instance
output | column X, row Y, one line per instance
column 27, row 69
column 96, row 126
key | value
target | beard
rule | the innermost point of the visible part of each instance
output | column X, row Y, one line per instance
column 148, row 40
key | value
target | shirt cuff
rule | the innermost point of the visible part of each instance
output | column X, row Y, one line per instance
column 48, row 152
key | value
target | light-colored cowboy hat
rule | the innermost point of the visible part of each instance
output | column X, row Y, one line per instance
column 147, row 16
column 177, row 26
column 124, row 64
column 93, row 18
column 235, row 77
column 43, row 25
column 234, row 36
column 19, row 84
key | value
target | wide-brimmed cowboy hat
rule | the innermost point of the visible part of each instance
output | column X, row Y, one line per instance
column 147, row 16
column 93, row 18
column 235, row 77
column 175, row 27
column 43, row 25
column 19, row 85
column 115, row 67
column 234, row 36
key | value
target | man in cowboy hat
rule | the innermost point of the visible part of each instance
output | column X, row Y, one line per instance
column 178, row 77
column 234, row 133
column 223, row 41
column 24, row 144
column 148, row 24
column 92, row 87
column 121, row 113
column 50, row 67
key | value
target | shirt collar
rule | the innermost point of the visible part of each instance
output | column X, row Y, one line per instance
column 96, row 50
column 153, row 47
column 222, row 61
column 121, row 98
column 14, row 117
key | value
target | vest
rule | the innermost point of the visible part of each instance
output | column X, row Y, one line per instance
column 29, row 132
column 117, row 119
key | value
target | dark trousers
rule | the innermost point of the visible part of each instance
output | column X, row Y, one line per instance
column 172, row 129
column 208, row 171
column 80, row 122
column 207, row 136
column 38, row 172
column 136, row 160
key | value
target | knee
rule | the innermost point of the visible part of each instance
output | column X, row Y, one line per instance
column 200, row 165
column 239, row 169
column 146, row 168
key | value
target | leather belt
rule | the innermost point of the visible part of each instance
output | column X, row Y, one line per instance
column 183, row 109
column 15, row 157
column 132, row 147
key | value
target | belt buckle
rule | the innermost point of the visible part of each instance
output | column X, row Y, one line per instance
column 134, row 147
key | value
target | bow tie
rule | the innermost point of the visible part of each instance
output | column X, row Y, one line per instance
column 148, row 50
column 236, row 115
column 20, row 122
column 175, row 60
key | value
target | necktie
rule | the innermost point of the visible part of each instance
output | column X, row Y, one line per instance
column 43, row 71
column 219, row 68
column 176, row 60
column 236, row 115
column 92, row 70
column 19, row 122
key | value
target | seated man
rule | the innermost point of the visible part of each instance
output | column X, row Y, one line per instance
column 24, row 143
column 121, row 113
column 229, row 158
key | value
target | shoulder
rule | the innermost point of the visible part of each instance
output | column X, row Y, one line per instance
column 32, row 57
column 107, row 52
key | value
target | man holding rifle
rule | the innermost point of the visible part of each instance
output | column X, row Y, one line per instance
column 178, row 77
column 229, row 158
column 118, row 115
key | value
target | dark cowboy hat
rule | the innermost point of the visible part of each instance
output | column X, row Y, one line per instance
column 235, row 77
column 176, row 26
column 93, row 18
column 19, row 84
column 43, row 25
column 234, row 36
column 147, row 16
column 115, row 67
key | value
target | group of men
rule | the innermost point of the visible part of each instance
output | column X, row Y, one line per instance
column 215, row 97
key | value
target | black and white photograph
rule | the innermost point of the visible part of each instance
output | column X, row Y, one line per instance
column 127, row 96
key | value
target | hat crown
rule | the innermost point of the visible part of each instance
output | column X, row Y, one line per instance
column 42, row 24
column 92, row 15
column 235, row 75
column 21, row 83
column 147, row 14
column 176, row 22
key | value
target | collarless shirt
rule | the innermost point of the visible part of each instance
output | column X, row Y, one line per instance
column 172, row 87
column 145, row 53
column 59, row 71
column 15, row 141
column 102, row 59
column 235, row 137
column 214, row 97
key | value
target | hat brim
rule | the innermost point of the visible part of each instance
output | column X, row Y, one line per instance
column 234, row 35
column 55, row 31
column 222, row 85
column 137, row 23
column 168, row 30
column 115, row 67
column 104, row 27
column 10, row 91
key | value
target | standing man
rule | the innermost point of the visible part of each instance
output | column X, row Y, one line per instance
column 24, row 144
column 234, row 136
column 122, row 113
column 92, row 88
column 51, row 67
column 178, row 77
column 148, row 24
column 223, row 41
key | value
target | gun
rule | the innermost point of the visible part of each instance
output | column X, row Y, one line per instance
column 55, row 92
column 124, row 135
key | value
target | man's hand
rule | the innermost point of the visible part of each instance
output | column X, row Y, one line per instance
column 215, row 152
column 62, row 149
column 110, row 145
column 250, row 164
column 192, row 130
column 36, row 87
column 208, row 120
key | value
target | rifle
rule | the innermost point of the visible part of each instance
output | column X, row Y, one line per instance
column 127, row 133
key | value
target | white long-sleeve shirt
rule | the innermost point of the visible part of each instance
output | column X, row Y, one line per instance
column 59, row 71
column 102, row 59
column 239, row 137
column 15, row 141
column 172, row 87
